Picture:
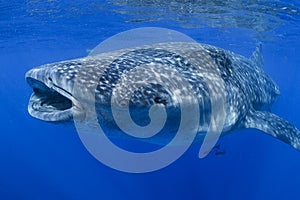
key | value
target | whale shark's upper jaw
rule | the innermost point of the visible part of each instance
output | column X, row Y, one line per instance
column 49, row 102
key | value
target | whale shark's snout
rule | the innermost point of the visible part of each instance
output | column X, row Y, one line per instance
column 52, row 98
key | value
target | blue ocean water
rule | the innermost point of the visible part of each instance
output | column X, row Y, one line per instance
column 41, row 160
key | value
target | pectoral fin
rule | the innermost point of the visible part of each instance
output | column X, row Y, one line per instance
column 274, row 126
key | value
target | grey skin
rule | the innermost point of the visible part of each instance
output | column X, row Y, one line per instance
column 249, row 90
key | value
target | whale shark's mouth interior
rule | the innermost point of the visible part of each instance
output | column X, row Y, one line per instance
column 48, row 104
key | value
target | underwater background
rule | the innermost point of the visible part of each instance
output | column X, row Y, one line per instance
column 41, row 160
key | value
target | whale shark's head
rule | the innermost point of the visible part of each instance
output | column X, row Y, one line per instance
column 52, row 98
column 57, row 98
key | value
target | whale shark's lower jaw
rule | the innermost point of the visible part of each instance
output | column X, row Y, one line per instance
column 49, row 104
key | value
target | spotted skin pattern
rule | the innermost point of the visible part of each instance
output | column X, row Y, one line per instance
column 248, row 89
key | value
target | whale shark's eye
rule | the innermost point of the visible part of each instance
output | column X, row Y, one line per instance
column 160, row 100
column 50, row 79
column 36, row 90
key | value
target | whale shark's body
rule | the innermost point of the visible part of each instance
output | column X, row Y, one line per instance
column 248, row 89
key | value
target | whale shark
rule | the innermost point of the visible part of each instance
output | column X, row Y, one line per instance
column 249, row 91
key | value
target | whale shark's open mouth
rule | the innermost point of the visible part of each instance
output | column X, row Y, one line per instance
column 49, row 104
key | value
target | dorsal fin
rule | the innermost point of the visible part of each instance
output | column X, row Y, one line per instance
column 257, row 56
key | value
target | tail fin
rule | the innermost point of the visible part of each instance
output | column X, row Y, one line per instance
column 274, row 126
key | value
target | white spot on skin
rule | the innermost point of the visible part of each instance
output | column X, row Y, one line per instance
column 92, row 82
